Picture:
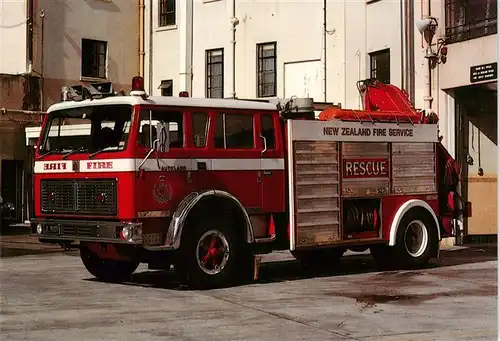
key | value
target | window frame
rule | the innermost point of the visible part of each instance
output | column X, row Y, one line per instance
column 167, row 84
column 93, row 55
column 208, row 125
column 93, row 124
column 261, row 130
column 260, row 69
column 165, row 110
column 163, row 13
column 457, row 15
column 215, row 121
column 373, row 57
column 208, row 77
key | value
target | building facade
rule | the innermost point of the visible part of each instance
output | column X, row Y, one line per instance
column 265, row 49
column 467, row 102
column 320, row 48
column 45, row 45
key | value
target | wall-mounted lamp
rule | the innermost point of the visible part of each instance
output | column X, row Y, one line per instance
column 427, row 27
column 426, row 23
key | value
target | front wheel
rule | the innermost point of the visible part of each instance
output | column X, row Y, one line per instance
column 212, row 254
column 107, row 270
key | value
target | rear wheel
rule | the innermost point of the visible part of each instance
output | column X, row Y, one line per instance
column 107, row 269
column 416, row 240
column 212, row 254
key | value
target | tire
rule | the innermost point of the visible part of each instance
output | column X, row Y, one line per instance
column 319, row 258
column 106, row 269
column 416, row 240
column 213, row 254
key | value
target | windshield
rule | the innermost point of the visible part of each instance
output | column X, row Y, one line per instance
column 87, row 129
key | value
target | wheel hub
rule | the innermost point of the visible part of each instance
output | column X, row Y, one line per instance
column 416, row 238
column 212, row 252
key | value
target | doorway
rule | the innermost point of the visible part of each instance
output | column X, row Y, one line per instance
column 477, row 152
column 12, row 184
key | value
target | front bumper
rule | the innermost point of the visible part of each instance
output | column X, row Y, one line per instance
column 87, row 231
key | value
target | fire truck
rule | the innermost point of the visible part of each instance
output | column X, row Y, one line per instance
column 208, row 185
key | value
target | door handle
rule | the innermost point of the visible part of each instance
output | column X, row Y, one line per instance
column 265, row 143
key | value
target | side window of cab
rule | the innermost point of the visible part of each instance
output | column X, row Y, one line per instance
column 200, row 129
column 148, row 127
column 234, row 131
column 267, row 131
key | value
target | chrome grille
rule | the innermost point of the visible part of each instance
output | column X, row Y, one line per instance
column 83, row 196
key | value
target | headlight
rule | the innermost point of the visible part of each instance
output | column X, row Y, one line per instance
column 127, row 232
column 132, row 232
column 39, row 229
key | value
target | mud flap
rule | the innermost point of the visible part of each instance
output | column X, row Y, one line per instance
column 256, row 266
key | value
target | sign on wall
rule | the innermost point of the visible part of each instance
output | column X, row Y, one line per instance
column 484, row 72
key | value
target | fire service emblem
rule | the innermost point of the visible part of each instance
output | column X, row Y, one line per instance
column 162, row 192
column 76, row 166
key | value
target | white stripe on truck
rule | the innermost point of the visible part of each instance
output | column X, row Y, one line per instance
column 131, row 165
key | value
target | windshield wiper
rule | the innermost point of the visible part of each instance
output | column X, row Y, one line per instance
column 103, row 150
column 52, row 151
column 77, row 150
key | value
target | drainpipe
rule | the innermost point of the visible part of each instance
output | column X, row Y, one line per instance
column 234, row 21
column 141, row 38
column 410, row 53
column 360, row 98
column 426, row 12
column 405, row 56
column 324, row 50
column 345, row 53
column 408, row 49
column 29, row 37
column 402, row 12
column 42, row 75
column 150, row 66
column 186, row 46
column 191, row 47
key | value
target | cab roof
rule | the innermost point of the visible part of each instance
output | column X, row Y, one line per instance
column 165, row 101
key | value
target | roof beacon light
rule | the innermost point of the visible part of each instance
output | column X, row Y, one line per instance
column 138, row 87
column 183, row 94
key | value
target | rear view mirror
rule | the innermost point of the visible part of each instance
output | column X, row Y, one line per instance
column 163, row 137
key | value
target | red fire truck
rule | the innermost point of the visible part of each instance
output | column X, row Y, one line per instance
column 205, row 185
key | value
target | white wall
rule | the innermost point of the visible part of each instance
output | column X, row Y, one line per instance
column 354, row 30
column 304, row 79
column 166, row 51
column 463, row 55
column 259, row 22
column 68, row 21
column 13, row 37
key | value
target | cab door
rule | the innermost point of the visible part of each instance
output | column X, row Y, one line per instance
column 236, row 156
column 272, row 163
column 164, row 179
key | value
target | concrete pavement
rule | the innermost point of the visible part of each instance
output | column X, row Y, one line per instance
column 52, row 297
